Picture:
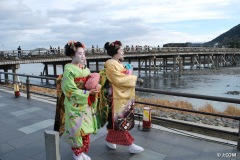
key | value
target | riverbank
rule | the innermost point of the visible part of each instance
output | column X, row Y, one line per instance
column 231, row 110
column 208, row 71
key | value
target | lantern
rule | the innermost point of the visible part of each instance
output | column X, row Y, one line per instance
column 16, row 90
column 147, row 122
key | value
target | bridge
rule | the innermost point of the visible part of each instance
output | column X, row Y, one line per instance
column 154, row 59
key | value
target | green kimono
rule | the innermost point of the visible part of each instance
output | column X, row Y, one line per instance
column 79, row 116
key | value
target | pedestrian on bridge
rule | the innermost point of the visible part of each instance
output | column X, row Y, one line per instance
column 19, row 51
column 121, row 93
column 79, row 102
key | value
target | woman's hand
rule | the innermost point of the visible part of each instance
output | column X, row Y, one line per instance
column 99, row 86
column 93, row 92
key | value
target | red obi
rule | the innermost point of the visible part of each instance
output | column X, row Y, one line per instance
column 81, row 81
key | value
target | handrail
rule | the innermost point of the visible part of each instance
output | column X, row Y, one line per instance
column 188, row 110
column 177, row 122
column 188, row 95
column 28, row 81
column 213, row 98
column 30, row 76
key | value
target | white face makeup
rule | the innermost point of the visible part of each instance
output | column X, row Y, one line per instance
column 79, row 56
column 119, row 54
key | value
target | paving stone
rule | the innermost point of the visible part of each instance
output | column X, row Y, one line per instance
column 192, row 143
column 237, row 152
column 39, row 156
column 182, row 153
column 5, row 148
column 26, row 111
column 27, row 139
column 160, row 147
column 211, row 150
column 37, row 126
column 10, row 134
column 148, row 154
column 3, row 105
column 24, row 152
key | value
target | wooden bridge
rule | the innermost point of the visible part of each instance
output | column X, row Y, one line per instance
column 154, row 59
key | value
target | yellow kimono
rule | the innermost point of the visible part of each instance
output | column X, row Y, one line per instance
column 123, row 95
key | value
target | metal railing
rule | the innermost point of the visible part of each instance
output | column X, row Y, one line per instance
column 147, row 90
column 196, row 96
column 28, row 83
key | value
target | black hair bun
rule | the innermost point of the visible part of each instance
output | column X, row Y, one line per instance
column 71, row 46
column 68, row 50
column 112, row 48
column 106, row 46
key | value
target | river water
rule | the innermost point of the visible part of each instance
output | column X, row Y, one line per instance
column 205, row 84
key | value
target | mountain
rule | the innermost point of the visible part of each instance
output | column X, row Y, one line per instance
column 230, row 38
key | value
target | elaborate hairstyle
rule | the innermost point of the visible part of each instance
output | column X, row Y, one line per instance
column 71, row 47
column 113, row 47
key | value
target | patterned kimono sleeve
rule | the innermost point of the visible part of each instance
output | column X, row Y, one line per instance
column 118, row 78
column 71, row 91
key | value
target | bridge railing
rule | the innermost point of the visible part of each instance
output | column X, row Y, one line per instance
column 150, row 49
column 155, row 91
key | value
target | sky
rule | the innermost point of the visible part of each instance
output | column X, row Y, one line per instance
column 41, row 23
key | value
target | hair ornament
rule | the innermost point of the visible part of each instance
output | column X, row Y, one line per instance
column 72, row 45
column 83, row 45
column 116, row 44
column 112, row 44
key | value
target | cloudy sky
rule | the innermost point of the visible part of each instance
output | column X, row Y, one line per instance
column 41, row 23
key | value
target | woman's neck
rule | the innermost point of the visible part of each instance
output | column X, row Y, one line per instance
column 115, row 58
column 77, row 64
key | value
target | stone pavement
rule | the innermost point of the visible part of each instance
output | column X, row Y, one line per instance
column 22, row 125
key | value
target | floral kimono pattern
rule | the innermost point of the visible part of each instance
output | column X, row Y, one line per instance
column 123, row 95
column 104, row 101
column 80, row 117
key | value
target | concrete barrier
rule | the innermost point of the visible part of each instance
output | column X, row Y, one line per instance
column 52, row 145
